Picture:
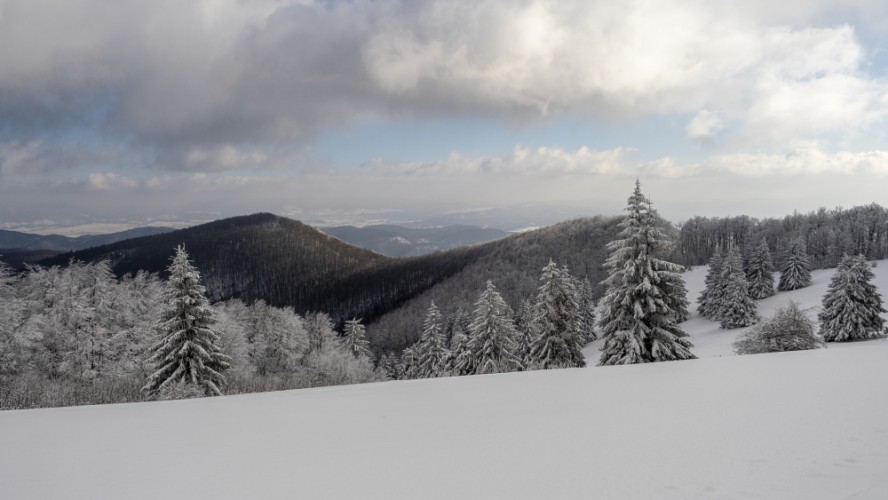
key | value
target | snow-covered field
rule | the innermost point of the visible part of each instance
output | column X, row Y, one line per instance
column 793, row 425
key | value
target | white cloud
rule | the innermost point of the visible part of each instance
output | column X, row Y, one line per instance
column 872, row 164
column 110, row 181
column 522, row 161
column 704, row 126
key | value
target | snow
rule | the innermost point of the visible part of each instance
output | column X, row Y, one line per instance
column 709, row 340
column 811, row 424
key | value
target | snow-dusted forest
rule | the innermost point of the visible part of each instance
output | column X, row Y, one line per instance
column 77, row 334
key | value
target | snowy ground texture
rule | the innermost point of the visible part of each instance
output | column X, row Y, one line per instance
column 795, row 425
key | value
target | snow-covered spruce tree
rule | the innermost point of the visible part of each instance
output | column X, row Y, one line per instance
column 356, row 338
column 555, row 324
column 735, row 309
column 524, row 334
column 491, row 335
column 852, row 306
column 431, row 354
column 408, row 362
column 587, row 312
column 637, row 323
column 760, row 272
column 796, row 270
column 710, row 300
column 188, row 353
column 462, row 359
column 789, row 330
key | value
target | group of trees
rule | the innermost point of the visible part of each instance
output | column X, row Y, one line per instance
column 548, row 332
column 734, row 282
column 644, row 303
column 77, row 334
column 851, row 310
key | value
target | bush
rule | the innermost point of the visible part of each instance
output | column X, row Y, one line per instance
column 789, row 330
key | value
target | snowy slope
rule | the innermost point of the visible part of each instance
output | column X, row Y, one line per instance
column 792, row 425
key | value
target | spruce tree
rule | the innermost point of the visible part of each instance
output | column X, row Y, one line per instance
column 188, row 353
column 409, row 362
column 458, row 325
column 760, row 272
column 852, row 306
column 431, row 354
column 463, row 360
column 796, row 270
column 524, row 334
column 356, row 338
column 789, row 330
column 587, row 312
column 637, row 322
column 555, row 324
column 710, row 300
column 491, row 335
column 735, row 309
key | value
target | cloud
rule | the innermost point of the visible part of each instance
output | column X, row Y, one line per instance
column 109, row 181
column 543, row 161
column 704, row 126
column 214, row 85
column 37, row 156
column 809, row 162
column 757, row 184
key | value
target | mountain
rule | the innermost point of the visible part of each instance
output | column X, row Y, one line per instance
column 287, row 263
column 260, row 256
column 399, row 241
column 27, row 241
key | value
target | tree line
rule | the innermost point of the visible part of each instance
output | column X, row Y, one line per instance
column 827, row 235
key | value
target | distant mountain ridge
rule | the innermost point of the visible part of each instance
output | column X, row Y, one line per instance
column 59, row 243
column 399, row 241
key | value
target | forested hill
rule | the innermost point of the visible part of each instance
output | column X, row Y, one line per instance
column 260, row 256
column 288, row 263
column 513, row 264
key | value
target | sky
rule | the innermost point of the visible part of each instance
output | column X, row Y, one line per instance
column 166, row 112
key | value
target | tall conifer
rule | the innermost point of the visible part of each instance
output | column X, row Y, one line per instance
column 189, row 351
column 636, row 319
